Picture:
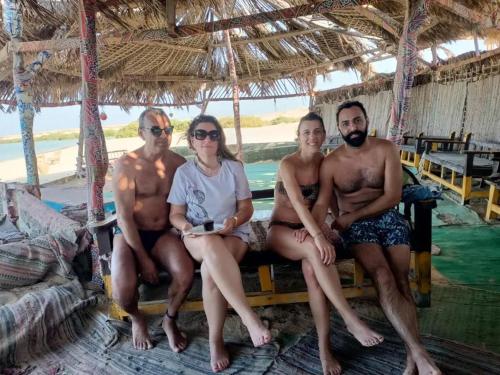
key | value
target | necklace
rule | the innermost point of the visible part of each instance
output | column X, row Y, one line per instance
column 205, row 168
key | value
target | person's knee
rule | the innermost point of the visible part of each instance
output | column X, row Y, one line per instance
column 124, row 294
column 311, row 252
column 183, row 280
column 384, row 278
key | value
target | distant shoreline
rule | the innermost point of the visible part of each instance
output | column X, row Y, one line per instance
column 61, row 162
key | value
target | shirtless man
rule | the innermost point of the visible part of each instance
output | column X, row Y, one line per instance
column 366, row 176
column 144, row 237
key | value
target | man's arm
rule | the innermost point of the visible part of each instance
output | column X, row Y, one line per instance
column 393, row 175
column 124, row 191
column 320, row 209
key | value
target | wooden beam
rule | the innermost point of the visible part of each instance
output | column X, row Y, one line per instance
column 471, row 60
column 425, row 28
column 171, row 15
column 380, row 19
column 74, row 43
column 334, row 61
column 467, row 14
column 156, row 104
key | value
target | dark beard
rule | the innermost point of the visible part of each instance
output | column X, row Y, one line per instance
column 358, row 141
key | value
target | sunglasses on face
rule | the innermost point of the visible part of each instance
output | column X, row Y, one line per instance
column 201, row 134
column 156, row 130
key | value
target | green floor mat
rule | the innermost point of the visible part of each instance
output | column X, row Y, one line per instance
column 467, row 315
column 470, row 255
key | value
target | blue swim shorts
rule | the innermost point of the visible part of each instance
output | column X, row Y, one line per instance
column 387, row 229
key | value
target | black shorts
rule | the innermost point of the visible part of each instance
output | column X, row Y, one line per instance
column 148, row 237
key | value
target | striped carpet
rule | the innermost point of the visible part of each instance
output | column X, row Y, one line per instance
column 87, row 343
column 384, row 359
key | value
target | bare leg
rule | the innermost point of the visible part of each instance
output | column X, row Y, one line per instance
column 124, row 285
column 215, row 309
column 281, row 240
column 212, row 251
column 400, row 312
column 399, row 261
column 170, row 252
column 321, row 316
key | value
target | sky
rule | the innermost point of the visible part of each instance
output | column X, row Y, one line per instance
column 61, row 118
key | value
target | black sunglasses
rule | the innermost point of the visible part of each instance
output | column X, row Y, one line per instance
column 201, row 134
column 156, row 130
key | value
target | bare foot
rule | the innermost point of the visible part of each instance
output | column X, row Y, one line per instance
column 425, row 364
column 411, row 367
column 364, row 334
column 140, row 335
column 176, row 339
column 259, row 334
column 329, row 364
column 219, row 357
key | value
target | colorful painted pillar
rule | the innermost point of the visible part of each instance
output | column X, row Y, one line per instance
column 23, row 78
column 405, row 71
column 96, row 157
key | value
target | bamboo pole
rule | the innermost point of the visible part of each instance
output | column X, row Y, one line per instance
column 406, row 65
column 236, row 95
column 95, row 146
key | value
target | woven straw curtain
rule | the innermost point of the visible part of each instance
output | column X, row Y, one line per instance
column 483, row 109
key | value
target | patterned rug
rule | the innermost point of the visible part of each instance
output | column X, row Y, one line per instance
column 92, row 345
column 386, row 358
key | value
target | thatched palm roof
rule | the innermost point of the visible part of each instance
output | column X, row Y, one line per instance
column 142, row 60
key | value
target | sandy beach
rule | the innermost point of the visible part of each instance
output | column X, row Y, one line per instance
column 61, row 163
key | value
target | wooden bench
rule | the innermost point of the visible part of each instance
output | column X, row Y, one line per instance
column 265, row 261
column 457, row 169
column 493, row 208
column 413, row 147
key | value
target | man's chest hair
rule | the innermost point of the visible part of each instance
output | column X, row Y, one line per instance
column 352, row 179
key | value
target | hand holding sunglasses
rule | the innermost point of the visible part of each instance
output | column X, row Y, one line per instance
column 201, row 134
column 156, row 130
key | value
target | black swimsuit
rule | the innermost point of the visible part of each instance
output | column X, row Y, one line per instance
column 309, row 192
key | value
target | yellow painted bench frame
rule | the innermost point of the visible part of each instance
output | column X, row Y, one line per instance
column 420, row 278
column 493, row 207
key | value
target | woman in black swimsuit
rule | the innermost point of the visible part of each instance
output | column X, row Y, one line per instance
column 294, row 234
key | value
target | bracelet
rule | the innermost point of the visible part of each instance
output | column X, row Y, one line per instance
column 235, row 218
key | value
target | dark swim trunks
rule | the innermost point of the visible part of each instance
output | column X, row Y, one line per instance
column 388, row 229
column 148, row 237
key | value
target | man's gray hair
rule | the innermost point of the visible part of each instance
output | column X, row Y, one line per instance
column 154, row 111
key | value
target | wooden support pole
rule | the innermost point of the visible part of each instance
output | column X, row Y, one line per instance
column 95, row 146
column 236, row 95
column 405, row 70
column 81, row 140
column 23, row 79
column 171, row 15
column 476, row 44
column 434, row 55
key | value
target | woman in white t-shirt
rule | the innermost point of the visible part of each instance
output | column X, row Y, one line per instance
column 213, row 186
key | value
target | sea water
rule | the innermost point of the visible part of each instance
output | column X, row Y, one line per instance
column 9, row 151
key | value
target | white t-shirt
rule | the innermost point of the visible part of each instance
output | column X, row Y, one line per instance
column 213, row 197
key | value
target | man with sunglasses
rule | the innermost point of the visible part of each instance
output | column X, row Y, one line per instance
column 144, row 237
